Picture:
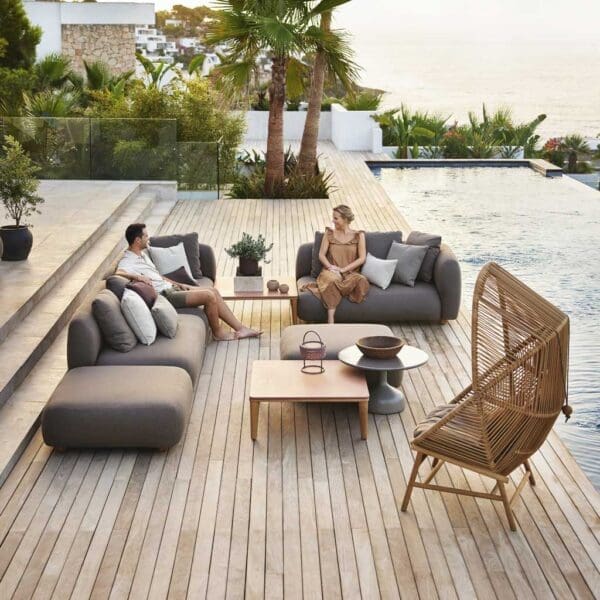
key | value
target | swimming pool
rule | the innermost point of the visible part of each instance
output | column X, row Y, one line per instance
column 546, row 231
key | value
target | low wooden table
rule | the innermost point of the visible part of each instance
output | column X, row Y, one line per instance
column 225, row 287
column 282, row 381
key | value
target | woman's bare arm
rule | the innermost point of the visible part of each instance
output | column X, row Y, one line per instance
column 362, row 255
column 323, row 252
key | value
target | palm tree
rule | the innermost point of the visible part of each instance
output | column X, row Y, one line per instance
column 573, row 145
column 333, row 53
column 52, row 72
column 286, row 29
column 411, row 130
column 155, row 71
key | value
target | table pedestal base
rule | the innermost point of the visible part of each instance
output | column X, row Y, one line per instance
column 383, row 398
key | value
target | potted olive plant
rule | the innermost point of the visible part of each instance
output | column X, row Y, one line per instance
column 249, row 251
column 17, row 192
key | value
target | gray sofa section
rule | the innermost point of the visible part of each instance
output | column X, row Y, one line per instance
column 144, row 407
column 140, row 398
column 435, row 301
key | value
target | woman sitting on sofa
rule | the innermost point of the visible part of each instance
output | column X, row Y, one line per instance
column 342, row 253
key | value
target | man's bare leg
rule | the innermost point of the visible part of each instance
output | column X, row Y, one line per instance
column 331, row 315
column 216, row 309
column 227, row 315
column 208, row 300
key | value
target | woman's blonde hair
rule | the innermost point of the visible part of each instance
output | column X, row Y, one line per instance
column 345, row 212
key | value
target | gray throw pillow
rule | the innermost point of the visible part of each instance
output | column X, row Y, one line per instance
column 433, row 243
column 410, row 259
column 165, row 317
column 115, row 331
column 116, row 284
column 379, row 271
column 180, row 276
column 190, row 245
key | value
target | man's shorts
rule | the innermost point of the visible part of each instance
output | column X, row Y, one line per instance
column 176, row 296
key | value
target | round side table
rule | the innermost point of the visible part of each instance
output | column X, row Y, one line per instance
column 383, row 398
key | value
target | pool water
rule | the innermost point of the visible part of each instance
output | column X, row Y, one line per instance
column 546, row 231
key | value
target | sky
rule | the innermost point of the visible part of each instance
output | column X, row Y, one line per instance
column 547, row 20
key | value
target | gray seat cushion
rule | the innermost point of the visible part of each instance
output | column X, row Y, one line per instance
column 335, row 337
column 116, row 407
column 396, row 303
column 185, row 350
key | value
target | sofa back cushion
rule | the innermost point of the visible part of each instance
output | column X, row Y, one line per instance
column 378, row 244
column 116, row 333
column 190, row 246
column 84, row 339
column 117, row 284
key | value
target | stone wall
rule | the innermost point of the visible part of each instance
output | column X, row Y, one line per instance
column 114, row 45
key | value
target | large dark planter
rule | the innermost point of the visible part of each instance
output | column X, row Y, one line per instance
column 248, row 266
column 17, row 242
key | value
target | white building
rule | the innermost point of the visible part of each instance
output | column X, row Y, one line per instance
column 154, row 45
column 91, row 31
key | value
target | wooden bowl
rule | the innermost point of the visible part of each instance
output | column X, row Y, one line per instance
column 380, row 346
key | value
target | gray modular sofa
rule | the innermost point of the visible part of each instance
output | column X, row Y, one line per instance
column 438, row 300
column 140, row 398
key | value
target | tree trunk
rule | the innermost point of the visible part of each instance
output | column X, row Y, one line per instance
column 275, row 163
column 307, row 161
column 572, row 163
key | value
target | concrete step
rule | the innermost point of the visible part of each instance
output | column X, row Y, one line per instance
column 60, row 240
column 20, row 413
column 32, row 336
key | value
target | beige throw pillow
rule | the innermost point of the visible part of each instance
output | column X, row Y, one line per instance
column 165, row 317
column 170, row 259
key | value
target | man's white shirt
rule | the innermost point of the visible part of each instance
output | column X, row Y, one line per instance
column 142, row 265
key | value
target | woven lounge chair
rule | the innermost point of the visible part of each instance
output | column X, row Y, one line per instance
column 519, row 348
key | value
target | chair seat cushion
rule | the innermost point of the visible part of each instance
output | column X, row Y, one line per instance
column 185, row 350
column 433, row 417
column 118, row 407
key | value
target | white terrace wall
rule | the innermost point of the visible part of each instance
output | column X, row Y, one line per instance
column 257, row 122
column 348, row 130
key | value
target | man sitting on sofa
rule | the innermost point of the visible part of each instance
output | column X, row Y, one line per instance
column 136, row 265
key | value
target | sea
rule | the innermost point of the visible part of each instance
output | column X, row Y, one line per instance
column 452, row 63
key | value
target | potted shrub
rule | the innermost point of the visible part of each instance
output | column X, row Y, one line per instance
column 249, row 251
column 17, row 191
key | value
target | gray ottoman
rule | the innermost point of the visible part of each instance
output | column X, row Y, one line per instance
column 118, row 407
column 335, row 337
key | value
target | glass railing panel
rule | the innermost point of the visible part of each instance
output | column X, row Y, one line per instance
column 59, row 146
column 134, row 149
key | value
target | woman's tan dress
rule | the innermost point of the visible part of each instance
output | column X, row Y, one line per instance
column 331, row 287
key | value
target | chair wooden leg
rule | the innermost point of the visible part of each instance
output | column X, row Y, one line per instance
column 529, row 472
column 434, row 462
column 509, row 513
column 413, row 476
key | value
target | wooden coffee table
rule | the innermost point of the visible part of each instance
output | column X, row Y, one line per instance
column 282, row 381
column 225, row 287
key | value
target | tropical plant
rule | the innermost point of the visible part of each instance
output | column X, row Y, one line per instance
column 19, row 35
column 552, row 151
column 574, row 145
column 249, row 247
column 18, row 184
column 285, row 29
column 155, row 72
column 51, row 103
column 454, row 143
column 411, row 132
column 363, row 100
column 52, row 72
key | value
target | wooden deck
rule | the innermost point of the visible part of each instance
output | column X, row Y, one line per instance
column 308, row 510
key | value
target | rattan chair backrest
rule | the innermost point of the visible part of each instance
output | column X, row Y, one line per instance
column 519, row 366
